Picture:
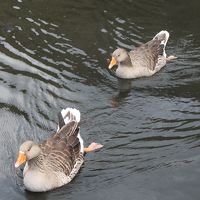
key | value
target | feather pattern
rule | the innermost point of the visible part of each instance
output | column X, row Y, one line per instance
column 147, row 54
column 60, row 158
column 144, row 60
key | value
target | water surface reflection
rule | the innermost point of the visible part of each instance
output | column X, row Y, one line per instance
column 53, row 54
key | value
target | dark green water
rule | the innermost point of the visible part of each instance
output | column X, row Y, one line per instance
column 53, row 54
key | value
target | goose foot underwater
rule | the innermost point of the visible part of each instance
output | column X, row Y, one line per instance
column 57, row 160
column 144, row 60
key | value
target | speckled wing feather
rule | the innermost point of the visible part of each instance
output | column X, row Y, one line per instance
column 60, row 152
column 147, row 54
column 63, row 133
column 61, row 121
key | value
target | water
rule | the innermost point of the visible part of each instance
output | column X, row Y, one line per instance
column 53, row 54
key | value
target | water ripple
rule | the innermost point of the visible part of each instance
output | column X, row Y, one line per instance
column 53, row 55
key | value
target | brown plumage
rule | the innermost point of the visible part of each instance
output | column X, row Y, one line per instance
column 144, row 60
column 58, row 159
column 63, row 148
column 147, row 54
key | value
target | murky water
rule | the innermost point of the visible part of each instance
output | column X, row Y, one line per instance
column 53, row 54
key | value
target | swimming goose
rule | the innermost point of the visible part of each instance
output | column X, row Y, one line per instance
column 58, row 159
column 144, row 60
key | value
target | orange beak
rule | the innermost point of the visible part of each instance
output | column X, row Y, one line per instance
column 21, row 159
column 112, row 63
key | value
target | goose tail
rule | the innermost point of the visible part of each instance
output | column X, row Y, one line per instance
column 163, row 37
column 67, row 115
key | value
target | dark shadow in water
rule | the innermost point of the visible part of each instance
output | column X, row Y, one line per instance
column 124, row 88
column 124, row 85
column 35, row 195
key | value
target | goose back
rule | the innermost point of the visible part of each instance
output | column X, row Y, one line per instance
column 147, row 54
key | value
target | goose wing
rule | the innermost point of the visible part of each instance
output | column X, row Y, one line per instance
column 147, row 54
column 62, row 151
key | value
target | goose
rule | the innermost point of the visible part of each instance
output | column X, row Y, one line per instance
column 57, row 160
column 144, row 60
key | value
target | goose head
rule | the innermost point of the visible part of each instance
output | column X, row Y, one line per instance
column 27, row 151
column 119, row 56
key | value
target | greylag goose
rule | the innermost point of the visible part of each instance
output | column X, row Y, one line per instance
column 144, row 60
column 58, row 159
